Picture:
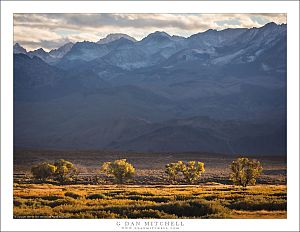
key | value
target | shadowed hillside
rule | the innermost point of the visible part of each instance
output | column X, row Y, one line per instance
column 216, row 91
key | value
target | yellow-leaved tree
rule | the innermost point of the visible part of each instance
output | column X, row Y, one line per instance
column 190, row 171
column 244, row 171
column 121, row 170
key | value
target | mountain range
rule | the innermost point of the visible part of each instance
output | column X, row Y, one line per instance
column 215, row 91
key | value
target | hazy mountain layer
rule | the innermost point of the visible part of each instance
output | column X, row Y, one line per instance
column 216, row 91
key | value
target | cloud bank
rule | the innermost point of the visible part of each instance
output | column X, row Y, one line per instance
column 50, row 31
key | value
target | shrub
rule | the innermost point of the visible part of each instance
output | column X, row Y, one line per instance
column 209, row 207
column 190, row 171
column 59, row 202
column 17, row 203
column 159, row 199
column 51, row 197
column 95, row 196
column 192, row 208
column 244, row 171
column 33, row 203
column 121, row 170
column 114, row 193
column 147, row 194
column 72, row 195
column 135, row 197
column 259, row 204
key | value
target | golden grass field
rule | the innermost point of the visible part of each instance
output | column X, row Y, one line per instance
column 149, row 194
column 209, row 200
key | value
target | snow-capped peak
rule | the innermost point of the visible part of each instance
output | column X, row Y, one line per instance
column 60, row 52
column 112, row 37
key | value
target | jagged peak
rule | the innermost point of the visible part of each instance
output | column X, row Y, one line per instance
column 19, row 49
column 115, row 36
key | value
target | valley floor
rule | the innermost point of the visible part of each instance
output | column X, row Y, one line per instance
column 150, row 167
column 149, row 194
column 211, row 200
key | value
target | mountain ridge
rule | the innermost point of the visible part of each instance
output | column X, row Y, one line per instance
column 221, row 91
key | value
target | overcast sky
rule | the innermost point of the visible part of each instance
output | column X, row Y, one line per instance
column 50, row 31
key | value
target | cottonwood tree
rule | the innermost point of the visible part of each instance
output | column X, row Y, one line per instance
column 245, row 171
column 121, row 170
column 43, row 171
column 65, row 170
column 190, row 171
column 172, row 171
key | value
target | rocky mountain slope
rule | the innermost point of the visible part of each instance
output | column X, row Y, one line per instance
column 215, row 91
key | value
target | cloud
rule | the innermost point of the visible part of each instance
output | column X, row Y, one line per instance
column 52, row 30
column 233, row 21
column 45, row 44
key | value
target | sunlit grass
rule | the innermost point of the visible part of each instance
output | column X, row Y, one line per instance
column 133, row 201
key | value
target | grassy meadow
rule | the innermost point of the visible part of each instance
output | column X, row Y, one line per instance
column 162, row 201
column 149, row 194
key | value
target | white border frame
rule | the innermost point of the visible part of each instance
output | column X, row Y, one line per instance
column 10, row 7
